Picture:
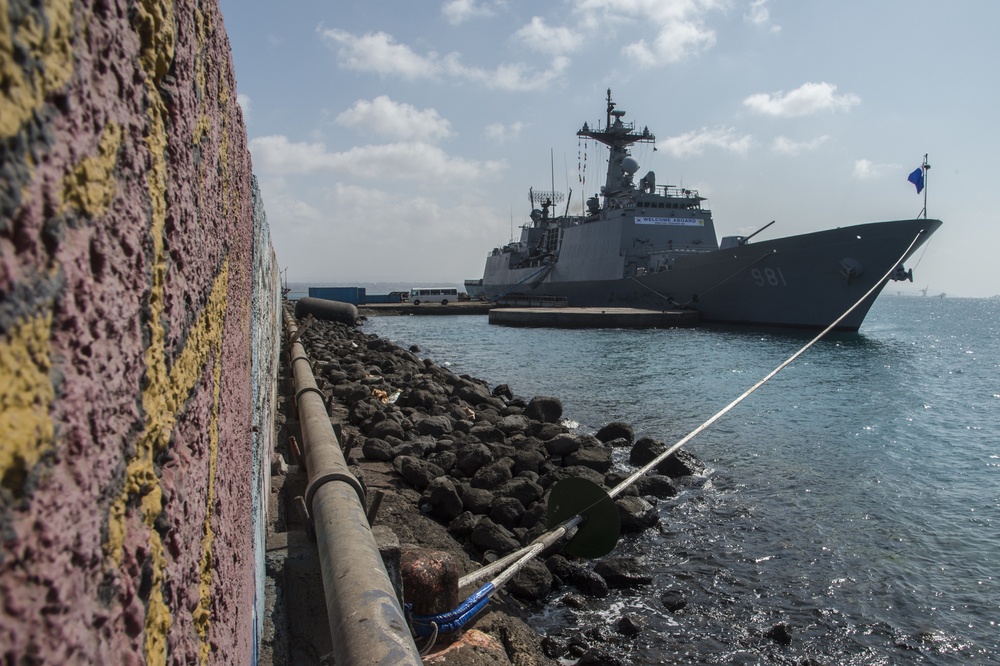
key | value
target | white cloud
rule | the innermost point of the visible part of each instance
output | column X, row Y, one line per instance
column 395, row 120
column 759, row 15
column 807, row 99
column 785, row 146
column 379, row 53
column 460, row 11
column 867, row 170
column 679, row 26
column 500, row 133
column 695, row 143
column 407, row 161
column 547, row 39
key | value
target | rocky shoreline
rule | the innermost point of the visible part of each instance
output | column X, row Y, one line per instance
column 466, row 469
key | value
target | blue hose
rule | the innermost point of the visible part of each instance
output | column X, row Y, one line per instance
column 423, row 625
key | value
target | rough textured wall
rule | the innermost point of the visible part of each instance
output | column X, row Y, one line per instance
column 130, row 487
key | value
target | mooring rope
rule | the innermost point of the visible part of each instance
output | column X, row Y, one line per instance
column 425, row 625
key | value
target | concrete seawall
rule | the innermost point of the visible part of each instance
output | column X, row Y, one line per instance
column 138, row 339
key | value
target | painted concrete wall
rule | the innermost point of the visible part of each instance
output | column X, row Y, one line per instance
column 138, row 314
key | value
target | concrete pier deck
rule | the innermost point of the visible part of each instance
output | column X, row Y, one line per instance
column 593, row 317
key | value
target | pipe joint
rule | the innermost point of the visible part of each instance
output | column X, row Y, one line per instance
column 320, row 480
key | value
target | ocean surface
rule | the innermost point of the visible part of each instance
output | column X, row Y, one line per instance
column 855, row 497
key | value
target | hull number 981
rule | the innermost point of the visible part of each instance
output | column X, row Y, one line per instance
column 771, row 277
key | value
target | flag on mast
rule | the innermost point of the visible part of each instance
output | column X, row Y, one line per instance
column 917, row 178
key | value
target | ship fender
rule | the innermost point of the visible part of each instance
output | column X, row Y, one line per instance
column 327, row 310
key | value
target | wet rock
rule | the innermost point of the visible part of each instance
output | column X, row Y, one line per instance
column 532, row 583
column 443, row 498
column 623, row 572
column 503, row 392
column 636, row 514
column 780, row 633
column 616, row 430
column 600, row 656
column 681, row 463
column 554, row 647
column 546, row 409
column 585, row 580
column 678, row 464
column 673, row 600
column 418, row 473
column 630, row 625
column 655, row 485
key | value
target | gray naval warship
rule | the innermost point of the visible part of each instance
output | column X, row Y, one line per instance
column 655, row 247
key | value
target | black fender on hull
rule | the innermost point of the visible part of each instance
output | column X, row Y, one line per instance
column 321, row 308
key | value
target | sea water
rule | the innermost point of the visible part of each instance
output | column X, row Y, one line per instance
column 854, row 498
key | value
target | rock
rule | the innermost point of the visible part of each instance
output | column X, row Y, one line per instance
column 507, row 511
column 678, row 464
column 471, row 457
column 435, row 426
column 527, row 460
column 554, row 647
column 562, row 445
column 630, row 625
column 477, row 500
column 636, row 514
column 376, row 449
column 532, row 583
column 418, row 473
column 547, row 431
column 487, row 535
column 780, row 633
column 623, row 572
column 486, row 432
column 546, row 409
column 387, row 428
column 463, row 525
column 503, row 391
column 443, row 498
column 493, row 474
column 585, row 580
column 471, row 647
column 522, row 489
column 673, row 600
column 616, row 430
column 514, row 424
column 595, row 458
column 655, row 486
column 681, row 463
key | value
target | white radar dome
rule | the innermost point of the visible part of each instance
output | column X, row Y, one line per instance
column 629, row 165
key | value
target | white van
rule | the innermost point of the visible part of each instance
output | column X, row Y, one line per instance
column 440, row 295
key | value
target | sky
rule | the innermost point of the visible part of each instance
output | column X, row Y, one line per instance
column 396, row 141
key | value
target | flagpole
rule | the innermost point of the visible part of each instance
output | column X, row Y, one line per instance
column 926, row 167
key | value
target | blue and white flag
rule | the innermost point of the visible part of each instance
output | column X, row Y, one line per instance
column 917, row 178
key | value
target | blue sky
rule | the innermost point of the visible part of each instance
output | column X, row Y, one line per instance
column 397, row 141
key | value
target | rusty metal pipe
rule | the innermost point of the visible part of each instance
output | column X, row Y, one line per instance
column 367, row 625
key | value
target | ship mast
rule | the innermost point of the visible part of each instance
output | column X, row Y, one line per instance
column 617, row 136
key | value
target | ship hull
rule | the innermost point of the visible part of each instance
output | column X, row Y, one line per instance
column 800, row 281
